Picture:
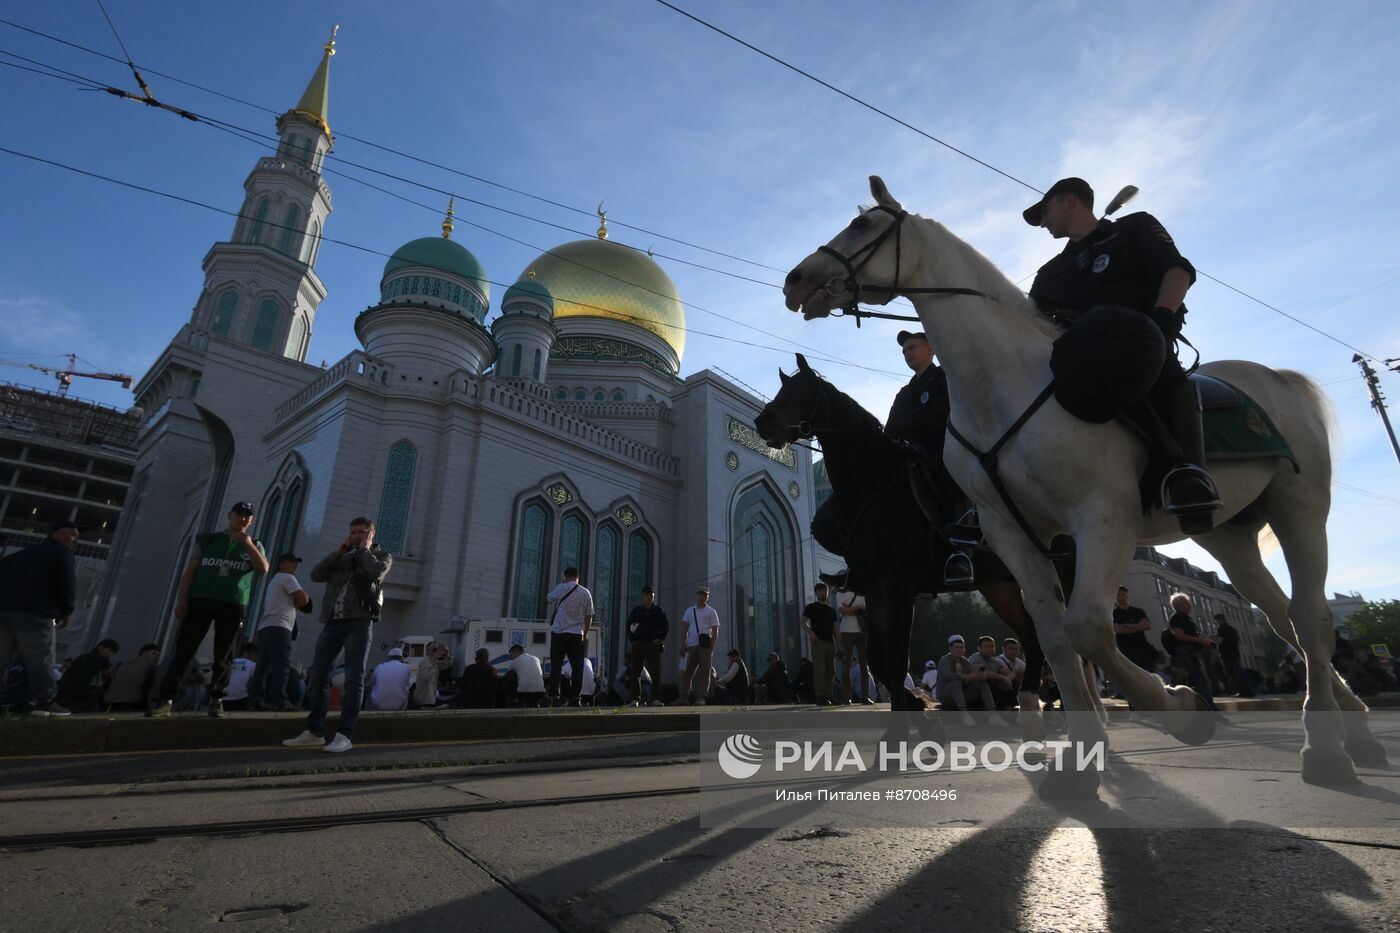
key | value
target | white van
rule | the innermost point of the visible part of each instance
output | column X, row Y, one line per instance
column 497, row 635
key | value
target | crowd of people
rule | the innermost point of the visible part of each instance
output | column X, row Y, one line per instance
column 38, row 594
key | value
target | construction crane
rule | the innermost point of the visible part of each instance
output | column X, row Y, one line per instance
column 65, row 376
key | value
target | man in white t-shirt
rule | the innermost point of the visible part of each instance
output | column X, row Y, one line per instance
column 389, row 681
column 282, row 599
column 529, row 676
column 930, row 678
column 570, row 617
column 240, row 672
column 701, row 632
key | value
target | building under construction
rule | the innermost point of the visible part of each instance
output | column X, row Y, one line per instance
column 63, row 458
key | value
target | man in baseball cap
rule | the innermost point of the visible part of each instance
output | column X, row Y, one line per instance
column 1035, row 214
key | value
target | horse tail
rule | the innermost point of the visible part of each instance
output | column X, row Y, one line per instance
column 1316, row 399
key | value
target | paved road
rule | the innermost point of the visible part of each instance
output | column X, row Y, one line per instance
column 638, row 846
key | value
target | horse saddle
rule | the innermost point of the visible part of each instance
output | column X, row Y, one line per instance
column 1236, row 427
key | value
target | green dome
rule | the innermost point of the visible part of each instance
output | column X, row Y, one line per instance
column 528, row 288
column 435, row 252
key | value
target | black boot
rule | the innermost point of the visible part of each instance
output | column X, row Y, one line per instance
column 1187, row 489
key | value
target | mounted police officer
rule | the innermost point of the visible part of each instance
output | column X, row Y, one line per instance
column 1131, row 263
column 917, row 423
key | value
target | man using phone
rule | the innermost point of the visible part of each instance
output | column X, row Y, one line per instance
column 354, row 575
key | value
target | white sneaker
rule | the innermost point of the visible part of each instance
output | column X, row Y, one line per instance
column 341, row 743
column 305, row 740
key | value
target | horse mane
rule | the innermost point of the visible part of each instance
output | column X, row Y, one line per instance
column 989, row 278
column 847, row 416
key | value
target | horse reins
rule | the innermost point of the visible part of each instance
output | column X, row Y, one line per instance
column 839, row 288
column 851, row 285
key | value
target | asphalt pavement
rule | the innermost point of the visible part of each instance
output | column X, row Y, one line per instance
column 628, row 834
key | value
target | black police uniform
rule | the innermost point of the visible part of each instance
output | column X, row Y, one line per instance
column 919, row 413
column 1123, row 263
column 1119, row 263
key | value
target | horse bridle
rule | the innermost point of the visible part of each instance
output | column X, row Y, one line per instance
column 851, row 285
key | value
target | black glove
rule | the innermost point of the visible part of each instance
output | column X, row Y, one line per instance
column 308, row 607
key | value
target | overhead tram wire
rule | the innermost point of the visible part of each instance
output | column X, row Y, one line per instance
column 967, row 155
column 375, row 252
column 410, row 156
column 397, row 152
column 269, row 141
column 570, row 260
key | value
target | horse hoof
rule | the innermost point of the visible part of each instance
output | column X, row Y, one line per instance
column 1190, row 728
column 1366, row 752
column 1069, row 785
column 1328, row 767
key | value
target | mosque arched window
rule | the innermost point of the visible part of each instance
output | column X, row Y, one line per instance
column 392, row 525
column 605, row 589
column 259, row 220
column 222, row 321
column 561, row 394
column 309, row 242
column 531, row 560
column 539, row 362
column 763, row 563
column 639, row 564
column 289, row 229
column 515, row 356
column 265, row 327
column 573, row 544
column 598, row 395
column 618, row 396
column 580, row 395
column 296, row 338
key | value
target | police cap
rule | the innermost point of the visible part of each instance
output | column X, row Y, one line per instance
column 1075, row 186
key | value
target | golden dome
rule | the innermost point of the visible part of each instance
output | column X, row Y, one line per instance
column 602, row 279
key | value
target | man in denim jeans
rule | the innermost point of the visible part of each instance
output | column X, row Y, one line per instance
column 354, row 574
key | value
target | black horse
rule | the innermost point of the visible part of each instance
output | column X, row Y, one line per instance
column 887, row 539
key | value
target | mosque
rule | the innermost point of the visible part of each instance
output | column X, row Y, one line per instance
column 492, row 450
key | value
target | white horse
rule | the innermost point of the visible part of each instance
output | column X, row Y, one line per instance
column 1074, row 477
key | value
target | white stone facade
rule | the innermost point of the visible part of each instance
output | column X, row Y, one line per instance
column 483, row 483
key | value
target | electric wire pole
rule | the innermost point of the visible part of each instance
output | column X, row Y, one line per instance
column 1373, row 384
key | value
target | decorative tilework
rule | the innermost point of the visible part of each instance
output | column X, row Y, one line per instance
column 393, row 505
column 746, row 436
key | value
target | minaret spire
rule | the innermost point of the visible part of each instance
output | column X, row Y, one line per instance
column 315, row 101
column 447, row 225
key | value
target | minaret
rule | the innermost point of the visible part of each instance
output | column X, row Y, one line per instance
column 525, row 331
column 260, row 287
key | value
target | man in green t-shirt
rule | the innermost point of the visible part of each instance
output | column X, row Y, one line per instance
column 214, row 589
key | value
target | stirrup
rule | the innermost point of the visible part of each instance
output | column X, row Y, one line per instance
column 1205, row 499
column 966, row 531
column 957, row 570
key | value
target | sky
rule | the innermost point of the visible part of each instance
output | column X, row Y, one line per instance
column 1263, row 135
